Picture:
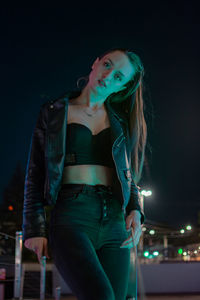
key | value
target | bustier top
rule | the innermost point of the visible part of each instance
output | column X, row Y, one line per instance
column 85, row 148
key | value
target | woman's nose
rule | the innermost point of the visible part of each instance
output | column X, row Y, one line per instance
column 107, row 75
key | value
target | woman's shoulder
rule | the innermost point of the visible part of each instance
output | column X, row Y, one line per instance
column 66, row 97
column 62, row 98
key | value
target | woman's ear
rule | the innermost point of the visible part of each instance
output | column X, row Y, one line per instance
column 94, row 63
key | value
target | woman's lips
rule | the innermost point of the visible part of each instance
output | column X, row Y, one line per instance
column 101, row 82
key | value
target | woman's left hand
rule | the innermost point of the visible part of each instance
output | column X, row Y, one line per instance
column 133, row 224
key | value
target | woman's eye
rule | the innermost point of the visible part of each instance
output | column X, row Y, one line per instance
column 118, row 77
column 106, row 63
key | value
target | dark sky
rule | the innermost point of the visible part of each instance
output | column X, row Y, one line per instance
column 45, row 49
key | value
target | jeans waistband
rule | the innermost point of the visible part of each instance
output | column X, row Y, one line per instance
column 87, row 187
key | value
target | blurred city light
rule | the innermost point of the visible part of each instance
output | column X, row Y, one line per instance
column 152, row 232
column 180, row 251
column 188, row 227
column 10, row 207
column 146, row 193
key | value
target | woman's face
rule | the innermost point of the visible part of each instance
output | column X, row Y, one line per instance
column 114, row 69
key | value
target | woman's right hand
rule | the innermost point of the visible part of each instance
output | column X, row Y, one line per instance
column 38, row 245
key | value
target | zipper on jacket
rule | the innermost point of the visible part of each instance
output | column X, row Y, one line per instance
column 114, row 113
column 123, row 138
column 123, row 207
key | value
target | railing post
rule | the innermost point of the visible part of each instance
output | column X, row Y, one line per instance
column 58, row 289
column 18, row 265
column 42, row 277
column 2, row 285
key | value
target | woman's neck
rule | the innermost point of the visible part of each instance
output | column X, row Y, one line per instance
column 89, row 99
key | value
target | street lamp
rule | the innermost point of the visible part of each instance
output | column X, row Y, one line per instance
column 146, row 193
column 142, row 194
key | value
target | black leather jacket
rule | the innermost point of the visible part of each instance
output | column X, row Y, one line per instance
column 46, row 162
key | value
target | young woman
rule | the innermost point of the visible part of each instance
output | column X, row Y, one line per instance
column 86, row 157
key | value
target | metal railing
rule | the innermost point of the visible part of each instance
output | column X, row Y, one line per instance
column 19, row 272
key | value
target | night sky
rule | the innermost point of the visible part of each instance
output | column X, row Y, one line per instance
column 45, row 49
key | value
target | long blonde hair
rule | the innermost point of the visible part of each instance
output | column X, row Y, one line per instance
column 129, row 102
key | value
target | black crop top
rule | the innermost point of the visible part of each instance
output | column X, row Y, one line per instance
column 84, row 148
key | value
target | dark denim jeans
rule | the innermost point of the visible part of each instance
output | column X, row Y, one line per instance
column 87, row 227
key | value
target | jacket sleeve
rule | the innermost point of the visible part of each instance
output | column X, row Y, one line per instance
column 34, row 219
column 133, row 203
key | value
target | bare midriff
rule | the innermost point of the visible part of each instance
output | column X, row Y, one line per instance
column 88, row 174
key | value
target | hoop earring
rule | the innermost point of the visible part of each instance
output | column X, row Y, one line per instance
column 85, row 78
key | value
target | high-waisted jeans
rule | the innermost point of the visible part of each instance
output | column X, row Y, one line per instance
column 87, row 227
